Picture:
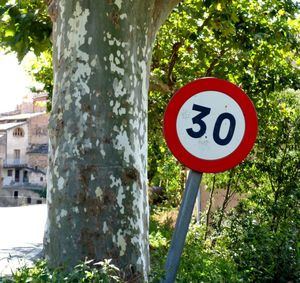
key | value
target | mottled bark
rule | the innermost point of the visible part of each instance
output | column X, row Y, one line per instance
column 97, row 199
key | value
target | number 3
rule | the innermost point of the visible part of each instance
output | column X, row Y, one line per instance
column 205, row 111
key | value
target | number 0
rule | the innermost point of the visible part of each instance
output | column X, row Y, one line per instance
column 216, row 133
column 204, row 111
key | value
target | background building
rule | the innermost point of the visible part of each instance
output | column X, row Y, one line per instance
column 23, row 152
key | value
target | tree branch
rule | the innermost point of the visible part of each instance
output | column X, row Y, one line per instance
column 52, row 9
column 214, row 62
column 172, row 62
column 205, row 22
column 162, row 9
column 157, row 85
column 175, row 51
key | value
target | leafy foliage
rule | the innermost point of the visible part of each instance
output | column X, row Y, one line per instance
column 258, row 241
column 84, row 272
column 199, row 263
column 41, row 69
column 264, row 231
column 24, row 26
column 252, row 44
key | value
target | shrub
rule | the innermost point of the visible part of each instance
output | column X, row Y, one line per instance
column 88, row 271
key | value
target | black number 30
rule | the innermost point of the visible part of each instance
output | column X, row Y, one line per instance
column 204, row 111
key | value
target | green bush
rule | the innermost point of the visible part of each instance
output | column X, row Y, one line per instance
column 200, row 262
column 88, row 271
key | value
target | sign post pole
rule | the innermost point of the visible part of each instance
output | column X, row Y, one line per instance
column 199, row 206
column 182, row 225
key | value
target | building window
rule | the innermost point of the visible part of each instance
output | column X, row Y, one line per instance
column 17, row 154
column 39, row 202
column 16, row 194
column 18, row 132
column 29, row 200
column 25, row 176
column 17, row 176
column 9, row 173
column 41, row 179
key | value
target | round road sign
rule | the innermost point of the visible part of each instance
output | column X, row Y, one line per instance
column 210, row 125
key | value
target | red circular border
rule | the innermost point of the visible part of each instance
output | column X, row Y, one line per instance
column 172, row 139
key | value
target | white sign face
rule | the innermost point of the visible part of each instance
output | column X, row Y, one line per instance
column 210, row 125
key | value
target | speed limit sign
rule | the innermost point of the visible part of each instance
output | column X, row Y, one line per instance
column 210, row 125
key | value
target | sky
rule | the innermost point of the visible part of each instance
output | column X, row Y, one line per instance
column 14, row 82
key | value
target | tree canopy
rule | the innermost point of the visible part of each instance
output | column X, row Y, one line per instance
column 254, row 45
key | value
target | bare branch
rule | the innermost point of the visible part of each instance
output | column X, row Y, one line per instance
column 173, row 60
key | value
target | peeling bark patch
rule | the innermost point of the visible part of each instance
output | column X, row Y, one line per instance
column 118, row 3
column 105, row 228
column 122, row 143
column 60, row 215
column 60, row 183
column 119, row 89
column 77, row 38
column 115, row 182
column 120, row 197
column 99, row 193
column 63, row 213
column 75, row 209
column 123, row 16
column 114, row 65
column 121, row 243
column 77, row 23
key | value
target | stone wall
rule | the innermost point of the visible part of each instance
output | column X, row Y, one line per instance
column 27, row 177
column 24, row 197
column 3, row 146
column 38, row 160
column 40, row 103
column 26, row 107
column 1, row 173
column 37, row 178
column 38, row 129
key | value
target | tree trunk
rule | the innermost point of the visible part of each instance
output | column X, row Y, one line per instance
column 97, row 198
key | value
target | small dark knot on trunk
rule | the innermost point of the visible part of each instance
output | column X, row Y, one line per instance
column 130, row 175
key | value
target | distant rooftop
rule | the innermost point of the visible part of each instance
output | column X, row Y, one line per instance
column 7, row 126
column 20, row 116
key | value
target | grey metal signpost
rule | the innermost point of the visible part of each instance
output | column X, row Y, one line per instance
column 182, row 225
